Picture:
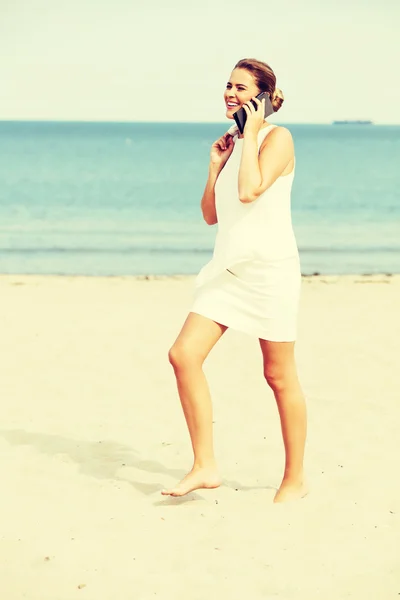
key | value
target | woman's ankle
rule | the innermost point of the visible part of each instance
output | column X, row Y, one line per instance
column 204, row 463
column 293, row 476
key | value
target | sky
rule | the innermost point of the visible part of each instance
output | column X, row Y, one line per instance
column 130, row 60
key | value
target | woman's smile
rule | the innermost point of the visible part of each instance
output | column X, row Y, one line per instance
column 231, row 105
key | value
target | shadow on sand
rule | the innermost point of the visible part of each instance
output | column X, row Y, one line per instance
column 107, row 460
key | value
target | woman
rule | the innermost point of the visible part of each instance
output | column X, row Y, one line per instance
column 252, row 283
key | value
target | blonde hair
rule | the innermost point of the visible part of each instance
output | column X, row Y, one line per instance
column 277, row 99
column 265, row 79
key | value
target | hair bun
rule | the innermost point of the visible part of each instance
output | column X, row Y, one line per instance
column 277, row 99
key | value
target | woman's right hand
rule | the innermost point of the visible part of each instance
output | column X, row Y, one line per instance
column 221, row 150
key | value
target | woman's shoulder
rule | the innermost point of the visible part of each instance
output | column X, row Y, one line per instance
column 277, row 130
column 277, row 135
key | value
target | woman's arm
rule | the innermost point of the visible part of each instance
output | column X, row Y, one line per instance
column 208, row 199
column 220, row 153
column 259, row 170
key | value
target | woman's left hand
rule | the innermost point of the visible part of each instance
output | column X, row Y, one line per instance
column 255, row 116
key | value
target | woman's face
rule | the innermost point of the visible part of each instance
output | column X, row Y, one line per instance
column 240, row 88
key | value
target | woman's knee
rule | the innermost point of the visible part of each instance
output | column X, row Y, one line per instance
column 277, row 377
column 183, row 355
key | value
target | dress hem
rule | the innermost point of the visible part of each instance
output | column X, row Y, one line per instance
column 243, row 330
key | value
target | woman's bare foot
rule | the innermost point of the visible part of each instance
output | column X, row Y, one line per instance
column 198, row 478
column 291, row 490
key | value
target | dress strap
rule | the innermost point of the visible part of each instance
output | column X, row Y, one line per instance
column 264, row 132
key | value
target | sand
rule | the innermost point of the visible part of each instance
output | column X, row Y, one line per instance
column 91, row 430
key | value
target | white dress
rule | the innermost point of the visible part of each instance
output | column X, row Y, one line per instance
column 253, row 281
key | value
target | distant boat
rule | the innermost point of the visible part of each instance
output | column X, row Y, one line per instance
column 352, row 122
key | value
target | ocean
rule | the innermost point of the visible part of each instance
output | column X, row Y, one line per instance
column 124, row 198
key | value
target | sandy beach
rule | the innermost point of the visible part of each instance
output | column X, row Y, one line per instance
column 91, row 430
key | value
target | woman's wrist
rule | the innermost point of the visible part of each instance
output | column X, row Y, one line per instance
column 250, row 135
column 215, row 168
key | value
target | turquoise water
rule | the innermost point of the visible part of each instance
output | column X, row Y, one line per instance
column 124, row 198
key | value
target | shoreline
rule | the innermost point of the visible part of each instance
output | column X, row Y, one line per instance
column 387, row 277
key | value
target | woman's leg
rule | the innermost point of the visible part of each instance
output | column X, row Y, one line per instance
column 281, row 375
column 187, row 355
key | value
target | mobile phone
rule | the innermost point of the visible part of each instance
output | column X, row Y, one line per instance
column 240, row 115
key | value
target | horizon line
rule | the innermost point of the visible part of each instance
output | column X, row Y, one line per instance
column 186, row 122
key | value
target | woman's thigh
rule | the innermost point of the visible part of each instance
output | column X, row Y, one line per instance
column 197, row 338
column 278, row 358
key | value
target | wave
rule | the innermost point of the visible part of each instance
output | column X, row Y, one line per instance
column 133, row 250
column 188, row 250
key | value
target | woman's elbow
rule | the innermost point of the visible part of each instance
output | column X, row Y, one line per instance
column 247, row 198
column 210, row 219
